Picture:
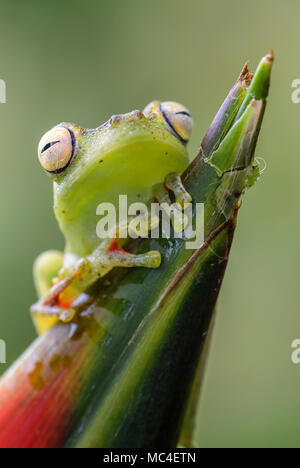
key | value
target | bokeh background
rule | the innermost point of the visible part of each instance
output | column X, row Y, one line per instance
column 84, row 61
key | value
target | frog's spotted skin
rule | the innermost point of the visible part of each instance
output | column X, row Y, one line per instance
column 131, row 154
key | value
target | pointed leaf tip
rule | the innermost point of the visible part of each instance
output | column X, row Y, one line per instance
column 259, row 86
column 245, row 76
column 270, row 56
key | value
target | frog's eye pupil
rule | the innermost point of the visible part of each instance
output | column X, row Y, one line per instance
column 183, row 113
column 57, row 149
column 48, row 145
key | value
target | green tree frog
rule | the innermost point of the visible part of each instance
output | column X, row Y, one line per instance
column 130, row 154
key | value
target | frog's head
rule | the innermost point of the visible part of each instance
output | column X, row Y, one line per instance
column 129, row 154
column 63, row 143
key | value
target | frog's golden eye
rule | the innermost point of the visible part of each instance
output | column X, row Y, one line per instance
column 175, row 116
column 56, row 149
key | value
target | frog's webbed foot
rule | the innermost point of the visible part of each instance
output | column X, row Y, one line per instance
column 61, row 310
column 175, row 211
column 60, row 300
column 53, row 304
column 64, row 315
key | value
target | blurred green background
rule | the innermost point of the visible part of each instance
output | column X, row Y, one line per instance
column 84, row 61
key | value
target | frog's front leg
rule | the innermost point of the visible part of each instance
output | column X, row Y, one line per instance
column 174, row 183
column 183, row 199
column 58, row 301
column 109, row 255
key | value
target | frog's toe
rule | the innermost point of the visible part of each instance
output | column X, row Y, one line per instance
column 151, row 259
column 67, row 315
